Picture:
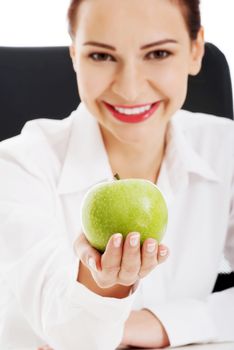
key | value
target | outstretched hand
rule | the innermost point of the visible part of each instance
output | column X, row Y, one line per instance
column 122, row 264
column 124, row 261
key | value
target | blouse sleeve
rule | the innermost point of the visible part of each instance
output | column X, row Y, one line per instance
column 189, row 321
column 38, row 265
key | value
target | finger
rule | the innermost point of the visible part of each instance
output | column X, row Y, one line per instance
column 89, row 256
column 149, row 258
column 111, row 260
column 131, row 259
column 163, row 253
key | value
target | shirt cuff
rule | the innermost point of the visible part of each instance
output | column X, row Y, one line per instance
column 186, row 321
column 106, row 309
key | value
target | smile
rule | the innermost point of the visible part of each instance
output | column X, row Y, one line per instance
column 132, row 114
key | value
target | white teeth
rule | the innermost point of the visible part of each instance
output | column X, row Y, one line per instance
column 133, row 111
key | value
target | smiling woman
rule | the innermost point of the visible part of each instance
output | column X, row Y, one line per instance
column 56, row 287
column 146, row 69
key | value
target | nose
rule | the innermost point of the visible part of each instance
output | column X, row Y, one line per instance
column 129, row 82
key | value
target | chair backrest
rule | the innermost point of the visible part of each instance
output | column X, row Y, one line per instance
column 40, row 83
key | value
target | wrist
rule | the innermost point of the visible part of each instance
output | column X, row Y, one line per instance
column 85, row 277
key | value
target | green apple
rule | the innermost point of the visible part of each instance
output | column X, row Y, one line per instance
column 123, row 206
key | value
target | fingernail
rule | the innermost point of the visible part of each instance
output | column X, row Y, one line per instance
column 92, row 264
column 134, row 240
column 163, row 252
column 151, row 247
column 117, row 240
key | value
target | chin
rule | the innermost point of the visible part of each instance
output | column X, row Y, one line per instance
column 132, row 135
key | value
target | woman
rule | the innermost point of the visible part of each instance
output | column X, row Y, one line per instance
column 132, row 61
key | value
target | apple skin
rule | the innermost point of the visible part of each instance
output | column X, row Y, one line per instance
column 123, row 206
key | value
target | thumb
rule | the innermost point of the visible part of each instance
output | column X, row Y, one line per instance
column 89, row 256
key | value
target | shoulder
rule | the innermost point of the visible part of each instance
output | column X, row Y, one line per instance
column 211, row 138
column 206, row 129
column 194, row 120
column 40, row 145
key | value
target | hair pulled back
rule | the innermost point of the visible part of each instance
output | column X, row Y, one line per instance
column 190, row 10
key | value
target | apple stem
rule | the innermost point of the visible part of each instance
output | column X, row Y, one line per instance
column 116, row 176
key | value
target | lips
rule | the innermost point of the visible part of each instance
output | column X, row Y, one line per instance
column 132, row 118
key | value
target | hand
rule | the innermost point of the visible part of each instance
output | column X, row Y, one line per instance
column 123, row 261
column 143, row 329
column 44, row 347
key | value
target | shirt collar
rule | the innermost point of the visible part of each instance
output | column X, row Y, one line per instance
column 181, row 161
column 86, row 162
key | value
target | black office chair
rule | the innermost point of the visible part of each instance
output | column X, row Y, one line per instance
column 41, row 83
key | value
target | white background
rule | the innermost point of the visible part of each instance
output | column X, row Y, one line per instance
column 43, row 23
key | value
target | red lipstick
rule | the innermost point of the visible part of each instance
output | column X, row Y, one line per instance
column 132, row 118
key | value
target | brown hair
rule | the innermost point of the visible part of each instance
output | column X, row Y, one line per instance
column 191, row 11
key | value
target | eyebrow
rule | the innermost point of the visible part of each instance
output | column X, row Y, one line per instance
column 156, row 43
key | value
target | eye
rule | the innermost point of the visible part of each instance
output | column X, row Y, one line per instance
column 96, row 56
column 158, row 54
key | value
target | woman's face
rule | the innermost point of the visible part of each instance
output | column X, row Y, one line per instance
column 129, row 53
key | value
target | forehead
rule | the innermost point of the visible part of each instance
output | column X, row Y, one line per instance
column 136, row 18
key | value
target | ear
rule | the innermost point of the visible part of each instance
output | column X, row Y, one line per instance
column 197, row 53
column 72, row 52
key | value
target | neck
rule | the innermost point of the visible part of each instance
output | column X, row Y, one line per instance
column 136, row 160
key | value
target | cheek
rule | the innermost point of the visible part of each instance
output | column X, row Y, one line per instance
column 92, row 81
column 171, row 82
column 87, row 88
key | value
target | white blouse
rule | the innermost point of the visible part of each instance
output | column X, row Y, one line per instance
column 45, row 172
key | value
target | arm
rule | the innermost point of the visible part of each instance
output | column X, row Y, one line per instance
column 221, row 304
column 39, row 268
column 143, row 329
